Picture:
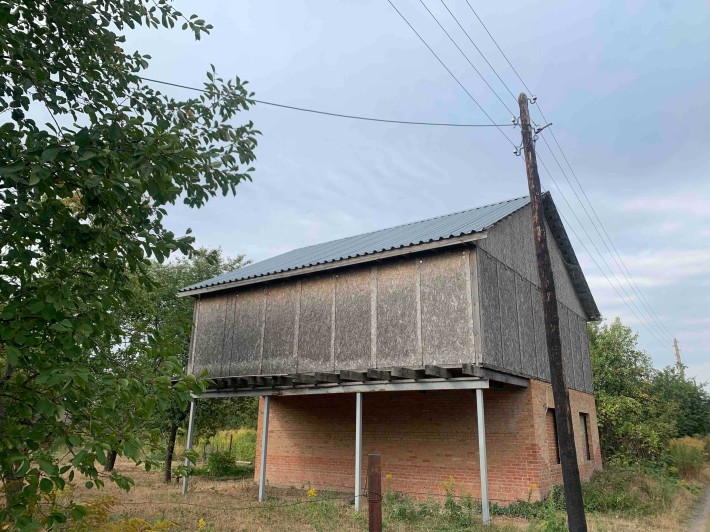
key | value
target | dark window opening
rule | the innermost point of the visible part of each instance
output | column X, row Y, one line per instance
column 584, row 424
column 553, row 444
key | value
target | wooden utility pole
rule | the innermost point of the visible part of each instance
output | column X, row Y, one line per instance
column 374, row 492
column 563, row 414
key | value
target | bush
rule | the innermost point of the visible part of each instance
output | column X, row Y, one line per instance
column 245, row 445
column 629, row 490
column 221, row 464
column 688, row 456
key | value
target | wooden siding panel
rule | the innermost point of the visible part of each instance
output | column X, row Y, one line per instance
column 447, row 334
column 510, row 333
column 543, row 362
column 231, row 301
column 209, row 343
column 586, row 360
column 511, row 241
column 397, row 314
column 279, row 329
column 579, row 351
column 315, row 324
column 526, row 326
column 353, row 320
column 567, row 353
column 490, row 310
column 245, row 343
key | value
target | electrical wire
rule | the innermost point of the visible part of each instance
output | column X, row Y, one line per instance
column 600, row 236
column 448, row 70
column 601, row 270
column 499, row 49
column 339, row 115
column 621, row 265
column 478, row 50
column 466, row 57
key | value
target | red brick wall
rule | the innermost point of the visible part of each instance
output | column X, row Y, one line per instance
column 426, row 439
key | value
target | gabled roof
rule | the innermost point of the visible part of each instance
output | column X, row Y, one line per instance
column 401, row 236
column 378, row 244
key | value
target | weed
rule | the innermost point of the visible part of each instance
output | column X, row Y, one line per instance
column 688, row 456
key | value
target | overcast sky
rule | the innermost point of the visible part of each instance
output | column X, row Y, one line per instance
column 626, row 84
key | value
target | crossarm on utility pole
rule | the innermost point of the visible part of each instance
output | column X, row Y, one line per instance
column 563, row 413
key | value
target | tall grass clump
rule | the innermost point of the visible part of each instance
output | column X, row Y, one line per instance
column 688, row 456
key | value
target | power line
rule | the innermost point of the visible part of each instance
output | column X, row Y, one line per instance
column 596, row 228
column 478, row 50
column 499, row 48
column 630, row 279
column 449, row 71
column 338, row 115
column 466, row 57
column 621, row 265
column 601, row 270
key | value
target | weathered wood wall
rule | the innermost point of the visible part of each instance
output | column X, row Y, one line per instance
column 512, row 327
column 403, row 312
column 460, row 305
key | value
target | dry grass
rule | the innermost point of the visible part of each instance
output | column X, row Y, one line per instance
column 232, row 505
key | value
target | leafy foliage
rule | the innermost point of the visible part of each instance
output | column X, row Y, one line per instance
column 82, row 204
column 154, row 311
column 691, row 398
column 635, row 423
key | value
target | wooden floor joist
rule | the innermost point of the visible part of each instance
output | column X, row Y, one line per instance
column 408, row 373
column 327, row 377
column 352, row 377
column 438, row 371
column 355, row 376
column 379, row 374
column 493, row 375
column 304, row 378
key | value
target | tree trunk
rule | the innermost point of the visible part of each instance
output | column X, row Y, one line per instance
column 169, row 454
column 110, row 461
column 12, row 485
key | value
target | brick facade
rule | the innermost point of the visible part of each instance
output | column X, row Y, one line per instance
column 427, row 440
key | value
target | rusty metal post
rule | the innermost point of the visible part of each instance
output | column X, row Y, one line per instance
column 374, row 492
column 563, row 413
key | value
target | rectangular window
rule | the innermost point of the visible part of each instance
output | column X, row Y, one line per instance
column 584, row 427
column 553, row 445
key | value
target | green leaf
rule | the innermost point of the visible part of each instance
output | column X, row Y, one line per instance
column 50, row 153
column 46, row 485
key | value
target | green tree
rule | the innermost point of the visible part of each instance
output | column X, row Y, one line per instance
column 635, row 423
column 155, row 311
column 82, row 204
column 692, row 399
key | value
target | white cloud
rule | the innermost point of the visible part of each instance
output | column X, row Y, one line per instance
column 686, row 203
column 661, row 267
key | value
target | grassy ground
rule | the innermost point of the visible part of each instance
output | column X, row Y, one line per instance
column 217, row 505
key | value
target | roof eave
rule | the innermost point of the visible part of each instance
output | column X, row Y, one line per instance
column 343, row 263
column 573, row 267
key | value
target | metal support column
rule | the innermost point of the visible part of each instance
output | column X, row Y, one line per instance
column 190, row 432
column 483, row 461
column 358, row 449
column 264, row 445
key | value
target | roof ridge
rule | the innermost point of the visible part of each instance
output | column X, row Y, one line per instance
column 411, row 223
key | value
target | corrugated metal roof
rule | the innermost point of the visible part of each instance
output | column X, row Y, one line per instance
column 411, row 234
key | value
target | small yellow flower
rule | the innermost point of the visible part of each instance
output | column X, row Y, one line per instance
column 533, row 485
column 388, row 475
column 312, row 493
column 201, row 525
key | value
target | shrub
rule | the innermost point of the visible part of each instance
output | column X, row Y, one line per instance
column 245, row 445
column 629, row 490
column 221, row 464
column 688, row 456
